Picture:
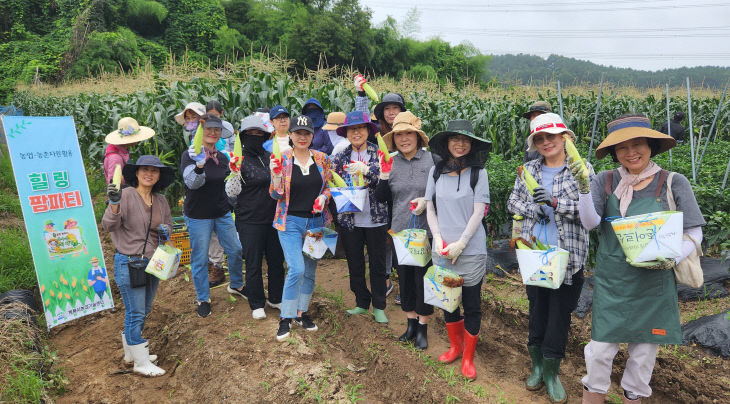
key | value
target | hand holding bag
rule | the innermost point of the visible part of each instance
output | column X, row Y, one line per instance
column 165, row 261
column 688, row 271
column 137, row 274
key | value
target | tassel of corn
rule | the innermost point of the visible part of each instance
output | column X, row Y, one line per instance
column 117, row 178
column 370, row 92
column 276, row 149
column 528, row 179
column 573, row 153
column 383, row 148
column 339, row 182
column 198, row 139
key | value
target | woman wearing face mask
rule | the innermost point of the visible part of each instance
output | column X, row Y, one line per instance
column 551, row 215
column 368, row 227
column 402, row 182
column 455, row 207
column 254, row 215
column 321, row 141
column 207, row 210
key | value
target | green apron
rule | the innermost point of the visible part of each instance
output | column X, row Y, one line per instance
column 632, row 304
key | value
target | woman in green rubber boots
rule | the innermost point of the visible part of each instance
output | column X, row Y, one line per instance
column 634, row 303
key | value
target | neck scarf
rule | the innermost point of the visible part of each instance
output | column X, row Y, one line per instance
column 212, row 154
column 625, row 190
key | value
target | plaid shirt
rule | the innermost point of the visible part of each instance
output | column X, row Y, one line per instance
column 573, row 237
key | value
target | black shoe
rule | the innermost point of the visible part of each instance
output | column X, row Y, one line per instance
column 397, row 299
column 410, row 333
column 203, row 309
column 240, row 292
column 305, row 322
column 421, row 336
column 284, row 327
column 389, row 289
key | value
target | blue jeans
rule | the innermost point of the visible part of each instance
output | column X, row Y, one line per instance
column 200, row 231
column 299, row 282
column 137, row 301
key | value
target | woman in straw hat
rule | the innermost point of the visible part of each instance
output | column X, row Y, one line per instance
column 402, row 182
column 137, row 217
column 457, row 196
column 206, row 210
column 368, row 227
column 634, row 303
column 551, row 215
column 128, row 134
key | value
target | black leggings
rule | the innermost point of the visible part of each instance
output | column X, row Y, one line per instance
column 410, row 280
column 472, row 300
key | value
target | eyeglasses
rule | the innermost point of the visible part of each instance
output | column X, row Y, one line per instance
column 542, row 137
column 215, row 130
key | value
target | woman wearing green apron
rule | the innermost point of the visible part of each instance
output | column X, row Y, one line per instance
column 632, row 303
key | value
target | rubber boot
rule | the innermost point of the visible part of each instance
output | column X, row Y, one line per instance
column 410, row 333
column 380, row 316
column 456, row 338
column 128, row 361
column 142, row 364
column 593, row 398
column 534, row 381
column 422, row 336
column 467, row 361
column 555, row 390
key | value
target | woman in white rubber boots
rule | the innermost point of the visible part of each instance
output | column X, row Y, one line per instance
column 136, row 218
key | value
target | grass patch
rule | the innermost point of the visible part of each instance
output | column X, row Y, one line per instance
column 9, row 202
column 16, row 262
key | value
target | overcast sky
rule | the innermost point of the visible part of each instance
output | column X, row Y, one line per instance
column 647, row 35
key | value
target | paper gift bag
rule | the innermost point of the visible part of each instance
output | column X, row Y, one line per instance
column 544, row 268
column 164, row 262
column 349, row 199
column 317, row 241
column 435, row 289
column 648, row 236
column 411, row 247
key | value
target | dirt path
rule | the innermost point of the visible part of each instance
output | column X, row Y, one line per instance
column 230, row 357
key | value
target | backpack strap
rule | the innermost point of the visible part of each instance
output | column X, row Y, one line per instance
column 473, row 178
column 662, row 180
column 608, row 186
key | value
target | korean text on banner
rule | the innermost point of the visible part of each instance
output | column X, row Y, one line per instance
column 648, row 236
column 59, row 217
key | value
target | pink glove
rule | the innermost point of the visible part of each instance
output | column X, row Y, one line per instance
column 319, row 204
column 359, row 81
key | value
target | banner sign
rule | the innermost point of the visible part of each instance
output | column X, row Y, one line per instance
column 59, row 216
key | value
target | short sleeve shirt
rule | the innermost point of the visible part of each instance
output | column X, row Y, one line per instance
column 455, row 204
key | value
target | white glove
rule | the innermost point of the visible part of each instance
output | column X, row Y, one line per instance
column 438, row 245
column 275, row 166
column 356, row 167
column 418, row 205
column 454, row 249
column 199, row 159
column 318, row 205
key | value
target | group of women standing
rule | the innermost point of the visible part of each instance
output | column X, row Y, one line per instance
column 279, row 198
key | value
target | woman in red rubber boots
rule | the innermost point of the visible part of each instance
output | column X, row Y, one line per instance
column 457, row 196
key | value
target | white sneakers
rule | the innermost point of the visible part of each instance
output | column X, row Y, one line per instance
column 128, row 361
column 276, row 306
column 258, row 314
column 142, row 364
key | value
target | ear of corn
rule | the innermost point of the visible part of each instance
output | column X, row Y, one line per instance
column 383, row 147
column 276, row 149
column 237, row 150
column 198, row 139
column 521, row 245
column 370, row 92
column 527, row 178
column 117, row 177
column 573, row 153
column 339, row 182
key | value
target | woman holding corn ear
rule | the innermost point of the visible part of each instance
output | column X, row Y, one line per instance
column 369, row 227
column 551, row 215
column 402, row 181
column 633, row 303
column 299, row 184
column 457, row 197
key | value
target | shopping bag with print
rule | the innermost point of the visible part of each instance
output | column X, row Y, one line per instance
column 164, row 262
column 349, row 198
column 317, row 240
column 544, row 268
column 411, row 245
column 648, row 236
column 442, row 287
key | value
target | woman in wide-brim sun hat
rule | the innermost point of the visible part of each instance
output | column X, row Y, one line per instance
column 402, row 183
column 128, row 133
column 455, row 207
column 634, row 303
column 550, row 213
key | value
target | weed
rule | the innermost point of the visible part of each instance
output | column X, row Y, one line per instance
column 235, row 335
column 200, row 342
column 266, row 386
column 353, row 395
column 452, row 399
